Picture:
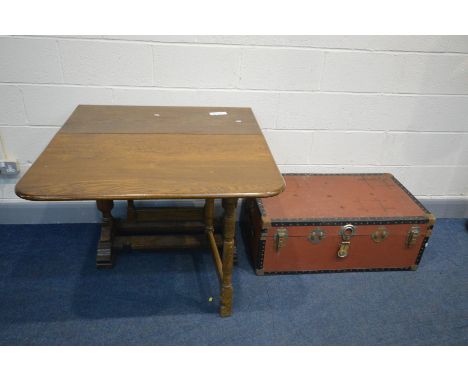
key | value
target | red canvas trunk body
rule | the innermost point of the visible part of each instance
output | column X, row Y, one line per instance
column 336, row 223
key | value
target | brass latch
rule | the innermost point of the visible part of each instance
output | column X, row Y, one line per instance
column 280, row 238
column 346, row 232
column 316, row 236
column 379, row 235
column 413, row 235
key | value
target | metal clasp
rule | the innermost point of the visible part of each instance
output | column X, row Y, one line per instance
column 413, row 235
column 379, row 235
column 343, row 251
column 281, row 238
column 346, row 232
column 316, row 235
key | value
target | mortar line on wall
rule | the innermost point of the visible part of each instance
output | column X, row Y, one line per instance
column 246, row 90
column 381, row 155
column 28, row 120
column 59, row 53
column 31, row 126
column 277, row 109
column 28, row 126
column 112, row 96
column 324, row 60
column 234, row 45
column 153, row 66
column 386, row 138
column 241, row 64
column 367, row 131
column 290, row 130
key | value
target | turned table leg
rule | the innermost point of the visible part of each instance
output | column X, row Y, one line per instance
column 208, row 215
column 229, row 206
column 104, row 256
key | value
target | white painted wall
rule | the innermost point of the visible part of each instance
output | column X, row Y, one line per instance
column 326, row 103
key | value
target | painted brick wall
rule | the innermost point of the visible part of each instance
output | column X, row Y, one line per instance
column 326, row 103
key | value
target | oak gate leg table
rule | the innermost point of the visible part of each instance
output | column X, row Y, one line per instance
column 107, row 153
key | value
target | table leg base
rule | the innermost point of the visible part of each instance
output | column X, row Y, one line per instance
column 108, row 251
column 154, row 242
column 104, row 261
column 148, row 228
column 229, row 229
column 105, row 255
column 226, row 301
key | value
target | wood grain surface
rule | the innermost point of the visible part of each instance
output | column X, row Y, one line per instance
column 161, row 119
column 110, row 164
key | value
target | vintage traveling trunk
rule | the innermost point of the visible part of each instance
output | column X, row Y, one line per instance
column 336, row 223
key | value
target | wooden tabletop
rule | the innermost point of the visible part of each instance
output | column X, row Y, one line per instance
column 152, row 152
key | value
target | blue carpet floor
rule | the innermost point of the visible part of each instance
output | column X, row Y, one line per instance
column 52, row 294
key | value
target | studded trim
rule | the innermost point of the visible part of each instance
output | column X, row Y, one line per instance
column 342, row 221
column 421, row 250
column 261, row 255
column 339, row 271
